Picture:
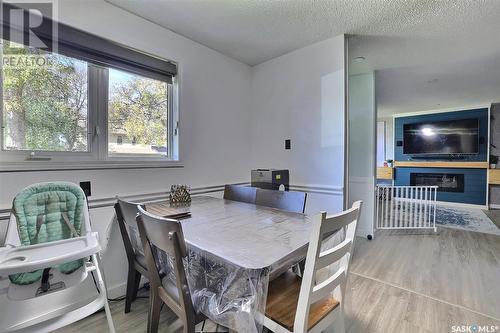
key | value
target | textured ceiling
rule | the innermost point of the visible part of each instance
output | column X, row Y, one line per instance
column 254, row 31
column 406, row 41
column 446, row 56
column 452, row 85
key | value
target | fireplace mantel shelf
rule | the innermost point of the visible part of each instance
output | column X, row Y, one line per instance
column 440, row 164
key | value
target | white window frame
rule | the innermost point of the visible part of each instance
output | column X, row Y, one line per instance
column 97, row 157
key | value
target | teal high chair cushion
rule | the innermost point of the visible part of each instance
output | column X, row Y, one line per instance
column 48, row 212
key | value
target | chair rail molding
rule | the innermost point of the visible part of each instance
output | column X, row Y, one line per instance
column 319, row 189
column 160, row 196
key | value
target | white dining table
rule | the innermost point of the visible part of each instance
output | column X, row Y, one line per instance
column 236, row 248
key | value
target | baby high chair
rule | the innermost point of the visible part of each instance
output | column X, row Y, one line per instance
column 49, row 266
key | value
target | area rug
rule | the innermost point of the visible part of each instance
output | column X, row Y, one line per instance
column 470, row 219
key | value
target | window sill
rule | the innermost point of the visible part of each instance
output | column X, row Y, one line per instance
column 31, row 166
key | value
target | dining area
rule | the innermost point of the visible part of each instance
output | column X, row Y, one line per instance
column 211, row 166
column 250, row 261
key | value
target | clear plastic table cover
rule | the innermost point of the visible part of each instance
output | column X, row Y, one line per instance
column 234, row 250
column 135, row 239
column 227, row 294
column 231, row 296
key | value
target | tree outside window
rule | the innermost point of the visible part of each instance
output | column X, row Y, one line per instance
column 45, row 104
column 46, row 107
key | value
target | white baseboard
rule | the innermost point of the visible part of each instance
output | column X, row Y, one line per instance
column 364, row 232
column 494, row 206
column 118, row 290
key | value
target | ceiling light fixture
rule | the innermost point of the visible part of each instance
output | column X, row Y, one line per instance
column 359, row 59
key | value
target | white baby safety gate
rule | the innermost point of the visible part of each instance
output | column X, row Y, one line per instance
column 406, row 207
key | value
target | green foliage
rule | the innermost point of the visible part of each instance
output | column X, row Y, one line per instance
column 139, row 107
column 46, row 106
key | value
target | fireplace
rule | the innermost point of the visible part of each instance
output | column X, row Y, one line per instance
column 447, row 182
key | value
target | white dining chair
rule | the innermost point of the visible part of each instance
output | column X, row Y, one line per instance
column 297, row 304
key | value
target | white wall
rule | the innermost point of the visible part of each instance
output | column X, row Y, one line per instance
column 300, row 96
column 380, row 143
column 389, row 137
column 362, row 124
column 214, row 138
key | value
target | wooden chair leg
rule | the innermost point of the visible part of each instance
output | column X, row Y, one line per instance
column 137, row 282
column 154, row 313
column 130, row 289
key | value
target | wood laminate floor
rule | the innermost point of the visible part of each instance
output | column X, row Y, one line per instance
column 494, row 215
column 135, row 321
column 399, row 282
column 455, row 266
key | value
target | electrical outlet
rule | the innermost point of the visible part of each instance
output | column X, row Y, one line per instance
column 86, row 187
column 288, row 144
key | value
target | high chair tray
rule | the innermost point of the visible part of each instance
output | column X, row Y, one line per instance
column 29, row 258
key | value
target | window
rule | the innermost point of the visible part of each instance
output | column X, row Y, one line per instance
column 46, row 111
column 94, row 101
column 137, row 115
column 44, row 106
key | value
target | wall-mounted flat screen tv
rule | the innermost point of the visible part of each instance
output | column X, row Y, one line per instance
column 442, row 137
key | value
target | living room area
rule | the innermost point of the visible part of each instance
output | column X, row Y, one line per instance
column 439, row 127
column 447, row 149
column 435, row 240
